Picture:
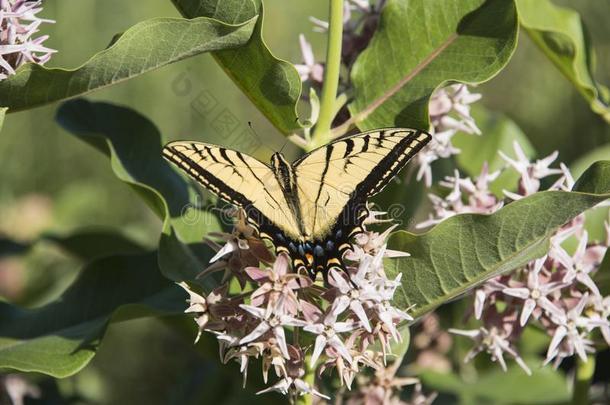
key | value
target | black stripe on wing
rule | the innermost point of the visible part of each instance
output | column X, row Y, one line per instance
column 393, row 162
column 355, row 211
column 256, row 218
column 206, row 178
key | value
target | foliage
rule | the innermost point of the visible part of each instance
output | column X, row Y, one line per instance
column 464, row 250
column 560, row 33
column 486, row 31
column 60, row 338
column 272, row 84
column 397, row 56
column 130, row 54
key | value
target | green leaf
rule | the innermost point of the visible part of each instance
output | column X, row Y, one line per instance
column 595, row 218
column 146, row 46
column 133, row 145
column 272, row 84
column 421, row 45
column 544, row 386
column 498, row 135
column 60, row 338
column 465, row 250
column 561, row 35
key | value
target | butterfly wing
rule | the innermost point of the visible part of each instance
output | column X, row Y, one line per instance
column 335, row 180
column 237, row 178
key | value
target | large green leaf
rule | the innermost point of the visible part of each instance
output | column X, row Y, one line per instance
column 133, row 144
column 146, row 46
column 465, row 250
column 499, row 135
column 561, row 35
column 595, row 218
column 423, row 44
column 273, row 85
column 60, row 338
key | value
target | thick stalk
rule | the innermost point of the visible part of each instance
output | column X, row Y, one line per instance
column 582, row 380
column 322, row 134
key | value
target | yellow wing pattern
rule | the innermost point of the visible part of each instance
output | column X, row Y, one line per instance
column 237, row 178
column 348, row 171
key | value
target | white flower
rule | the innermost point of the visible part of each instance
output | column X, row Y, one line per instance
column 599, row 316
column 299, row 386
column 482, row 294
column 480, row 199
column 494, row 343
column 309, row 69
column 352, row 296
column 201, row 305
column 535, row 293
column 328, row 330
column 531, row 173
column 18, row 23
column 569, row 336
column 17, row 389
column 271, row 322
column 578, row 266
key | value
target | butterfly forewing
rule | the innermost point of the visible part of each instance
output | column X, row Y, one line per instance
column 348, row 171
column 237, row 178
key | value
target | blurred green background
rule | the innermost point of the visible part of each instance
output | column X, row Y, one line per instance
column 50, row 181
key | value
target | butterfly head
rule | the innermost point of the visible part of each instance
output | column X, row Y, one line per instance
column 279, row 163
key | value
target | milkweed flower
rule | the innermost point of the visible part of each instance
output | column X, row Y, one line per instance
column 264, row 309
column 557, row 291
column 309, row 69
column 479, row 198
column 18, row 24
column 493, row 341
column 17, row 389
column 449, row 110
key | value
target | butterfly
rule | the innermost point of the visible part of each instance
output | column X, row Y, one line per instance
column 309, row 209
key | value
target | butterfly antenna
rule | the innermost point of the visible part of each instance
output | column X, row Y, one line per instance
column 258, row 138
column 284, row 144
column 254, row 132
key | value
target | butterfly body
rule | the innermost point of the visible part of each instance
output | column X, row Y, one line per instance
column 309, row 209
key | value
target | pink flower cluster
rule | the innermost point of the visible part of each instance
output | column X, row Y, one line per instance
column 18, row 23
column 296, row 324
column 360, row 18
column 449, row 110
column 557, row 292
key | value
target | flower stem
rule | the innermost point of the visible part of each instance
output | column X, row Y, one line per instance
column 322, row 134
column 582, row 380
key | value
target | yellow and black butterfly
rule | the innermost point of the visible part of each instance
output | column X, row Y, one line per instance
column 309, row 209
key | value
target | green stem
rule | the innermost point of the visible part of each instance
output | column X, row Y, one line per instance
column 322, row 134
column 582, row 380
